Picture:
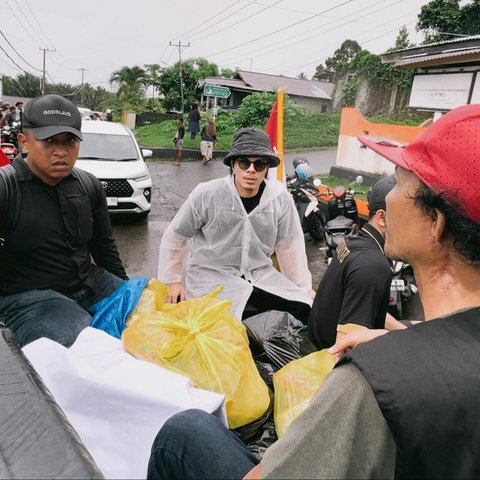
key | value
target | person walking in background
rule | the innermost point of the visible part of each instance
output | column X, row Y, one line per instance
column 208, row 138
column 11, row 116
column 19, row 106
column 178, row 141
column 193, row 121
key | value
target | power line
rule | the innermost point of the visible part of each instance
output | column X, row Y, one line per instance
column 13, row 48
column 45, row 50
column 326, row 31
column 363, row 42
column 240, row 21
column 225, row 18
column 211, row 18
column 21, row 23
column 38, row 23
column 179, row 46
column 12, row 60
column 28, row 21
column 281, row 29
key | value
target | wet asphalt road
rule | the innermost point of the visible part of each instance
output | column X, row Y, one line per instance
column 138, row 240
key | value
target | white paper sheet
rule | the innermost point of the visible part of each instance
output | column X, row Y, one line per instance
column 115, row 402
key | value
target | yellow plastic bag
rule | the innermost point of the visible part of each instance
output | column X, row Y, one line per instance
column 295, row 385
column 200, row 338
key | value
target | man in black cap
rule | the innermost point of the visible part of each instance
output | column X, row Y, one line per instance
column 356, row 285
column 236, row 223
column 53, row 220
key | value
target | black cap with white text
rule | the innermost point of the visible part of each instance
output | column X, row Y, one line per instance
column 49, row 115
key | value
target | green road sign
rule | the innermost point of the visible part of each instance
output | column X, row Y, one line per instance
column 216, row 91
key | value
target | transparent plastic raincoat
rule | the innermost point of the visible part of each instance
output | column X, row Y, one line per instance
column 233, row 248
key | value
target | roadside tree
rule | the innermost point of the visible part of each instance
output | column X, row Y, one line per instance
column 444, row 19
column 193, row 69
column 25, row 85
column 131, row 88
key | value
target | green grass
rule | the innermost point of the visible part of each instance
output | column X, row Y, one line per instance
column 302, row 131
column 314, row 131
column 413, row 119
column 319, row 130
column 161, row 135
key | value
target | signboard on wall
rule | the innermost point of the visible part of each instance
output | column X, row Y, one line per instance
column 476, row 90
column 440, row 91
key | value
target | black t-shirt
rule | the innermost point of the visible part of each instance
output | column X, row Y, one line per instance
column 354, row 290
column 56, row 233
column 194, row 115
column 180, row 132
column 251, row 202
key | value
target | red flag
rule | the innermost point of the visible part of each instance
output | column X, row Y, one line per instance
column 274, row 129
column 271, row 127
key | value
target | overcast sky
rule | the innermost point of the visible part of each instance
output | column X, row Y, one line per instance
column 270, row 36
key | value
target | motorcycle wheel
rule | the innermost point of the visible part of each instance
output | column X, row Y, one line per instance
column 316, row 226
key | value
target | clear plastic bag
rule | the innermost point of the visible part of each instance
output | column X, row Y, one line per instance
column 201, row 339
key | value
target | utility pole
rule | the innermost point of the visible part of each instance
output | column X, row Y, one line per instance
column 179, row 46
column 81, row 86
column 45, row 50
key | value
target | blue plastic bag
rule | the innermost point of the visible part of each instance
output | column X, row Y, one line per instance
column 110, row 314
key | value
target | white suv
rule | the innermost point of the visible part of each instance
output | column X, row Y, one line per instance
column 110, row 151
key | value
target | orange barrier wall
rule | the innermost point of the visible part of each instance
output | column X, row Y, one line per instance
column 353, row 123
column 350, row 155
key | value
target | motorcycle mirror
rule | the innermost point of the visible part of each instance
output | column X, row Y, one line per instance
column 359, row 179
column 317, row 182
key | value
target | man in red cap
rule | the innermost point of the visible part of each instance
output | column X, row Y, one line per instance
column 404, row 405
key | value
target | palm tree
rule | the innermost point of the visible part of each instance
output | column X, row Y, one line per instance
column 131, row 85
column 153, row 74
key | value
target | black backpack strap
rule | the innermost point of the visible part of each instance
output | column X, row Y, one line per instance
column 10, row 200
column 88, row 186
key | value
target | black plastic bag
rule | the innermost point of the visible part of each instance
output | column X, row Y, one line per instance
column 267, row 438
column 280, row 336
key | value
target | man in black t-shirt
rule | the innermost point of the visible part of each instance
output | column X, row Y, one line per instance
column 47, row 277
column 356, row 285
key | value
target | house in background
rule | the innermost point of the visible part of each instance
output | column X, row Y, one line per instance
column 447, row 73
column 314, row 95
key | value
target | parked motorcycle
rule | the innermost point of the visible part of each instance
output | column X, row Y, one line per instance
column 342, row 216
column 304, row 192
column 7, row 145
column 402, row 288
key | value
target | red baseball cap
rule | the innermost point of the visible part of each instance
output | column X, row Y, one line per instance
column 446, row 157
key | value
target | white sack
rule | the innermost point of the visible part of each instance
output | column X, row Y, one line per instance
column 115, row 402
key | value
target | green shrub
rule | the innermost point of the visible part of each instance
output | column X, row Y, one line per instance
column 255, row 110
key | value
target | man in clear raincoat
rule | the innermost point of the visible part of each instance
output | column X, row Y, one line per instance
column 236, row 224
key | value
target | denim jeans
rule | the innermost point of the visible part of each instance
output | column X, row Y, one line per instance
column 46, row 313
column 195, row 445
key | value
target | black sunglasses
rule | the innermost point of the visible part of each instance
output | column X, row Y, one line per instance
column 258, row 165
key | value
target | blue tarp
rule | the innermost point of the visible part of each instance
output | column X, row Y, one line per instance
column 111, row 313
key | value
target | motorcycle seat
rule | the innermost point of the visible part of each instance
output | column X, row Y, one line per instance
column 340, row 222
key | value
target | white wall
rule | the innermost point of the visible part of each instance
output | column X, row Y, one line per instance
column 350, row 154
